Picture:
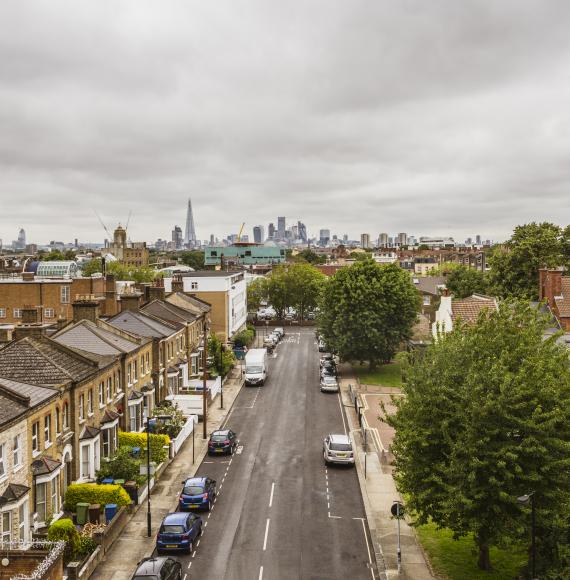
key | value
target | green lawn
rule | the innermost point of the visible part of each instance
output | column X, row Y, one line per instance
column 389, row 375
column 457, row 559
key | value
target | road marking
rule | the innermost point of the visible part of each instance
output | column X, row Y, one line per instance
column 185, row 576
column 239, row 450
column 208, row 462
column 231, row 460
column 334, row 517
column 197, row 543
column 328, row 505
column 368, row 549
column 205, row 524
column 260, row 573
column 341, row 413
column 193, row 554
column 189, row 564
column 266, row 533
column 271, row 496
column 209, row 515
column 221, row 485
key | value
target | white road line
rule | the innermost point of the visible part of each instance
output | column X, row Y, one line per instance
column 209, row 515
column 341, row 413
column 368, row 549
column 189, row 564
column 185, row 576
column 221, row 485
column 328, row 505
column 266, row 533
column 194, row 554
column 205, row 524
column 231, row 460
column 271, row 496
column 260, row 573
column 197, row 543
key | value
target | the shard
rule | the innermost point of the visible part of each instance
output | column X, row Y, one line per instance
column 190, row 235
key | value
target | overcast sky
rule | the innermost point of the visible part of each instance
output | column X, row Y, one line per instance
column 437, row 117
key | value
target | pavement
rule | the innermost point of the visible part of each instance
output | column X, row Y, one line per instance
column 377, row 484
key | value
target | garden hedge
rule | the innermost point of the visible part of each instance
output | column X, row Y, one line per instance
column 157, row 453
column 94, row 493
column 64, row 529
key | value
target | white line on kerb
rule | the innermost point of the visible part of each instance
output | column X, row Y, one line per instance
column 266, row 533
column 260, row 572
column 271, row 496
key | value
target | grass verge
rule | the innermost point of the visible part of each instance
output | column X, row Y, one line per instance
column 389, row 375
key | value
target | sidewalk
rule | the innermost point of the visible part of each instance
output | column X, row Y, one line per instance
column 378, row 487
column 133, row 544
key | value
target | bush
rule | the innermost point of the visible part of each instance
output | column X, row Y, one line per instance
column 244, row 338
column 95, row 493
column 64, row 529
column 121, row 466
column 172, row 426
column 157, row 442
column 86, row 546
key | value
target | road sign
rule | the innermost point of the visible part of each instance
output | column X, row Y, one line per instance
column 397, row 509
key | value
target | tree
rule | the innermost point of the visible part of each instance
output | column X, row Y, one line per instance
column 311, row 257
column 305, row 286
column 92, row 267
column 278, row 290
column 193, row 258
column 59, row 256
column 514, row 266
column 220, row 359
column 463, row 282
column 120, row 271
column 486, row 419
column 256, row 293
column 368, row 310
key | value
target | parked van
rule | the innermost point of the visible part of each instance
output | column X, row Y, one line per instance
column 256, row 366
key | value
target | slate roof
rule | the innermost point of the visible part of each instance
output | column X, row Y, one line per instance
column 142, row 325
column 194, row 303
column 563, row 301
column 469, row 309
column 16, row 398
column 13, row 492
column 429, row 284
column 109, row 416
column 42, row 361
column 89, row 433
column 87, row 336
column 44, row 466
column 168, row 312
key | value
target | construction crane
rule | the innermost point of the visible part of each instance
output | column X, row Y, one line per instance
column 240, row 231
column 104, row 226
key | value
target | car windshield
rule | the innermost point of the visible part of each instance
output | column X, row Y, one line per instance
column 172, row 529
column 330, row 380
column 253, row 369
column 341, row 447
column 219, row 437
column 193, row 490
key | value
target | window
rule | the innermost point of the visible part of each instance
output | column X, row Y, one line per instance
column 23, row 521
column 85, row 460
column 17, row 451
column 109, row 389
column 65, row 416
column 47, row 431
column 57, row 421
column 194, row 286
column 17, row 313
column 41, row 494
column 49, row 312
column 129, row 367
column 106, row 442
column 118, row 385
column 143, row 371
column 2, row 460
column 81, row 407
column 36, row 437
column 2, row 313
column 427, row 300
column 55, row 494
column 135, row 371
column 101, row 394
column 64, row 294
column 6, row 533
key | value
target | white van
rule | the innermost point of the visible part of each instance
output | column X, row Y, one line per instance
column 256, row 366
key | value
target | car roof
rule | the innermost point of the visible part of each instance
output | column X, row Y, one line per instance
column 221, row 432
column 338, row 438
column 329, row 378
column 151, row 565
column 175, row 518
column 196, row 481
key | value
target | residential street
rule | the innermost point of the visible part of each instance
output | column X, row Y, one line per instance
column 280, row 513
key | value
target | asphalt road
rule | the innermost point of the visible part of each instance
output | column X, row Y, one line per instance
column 280, row 513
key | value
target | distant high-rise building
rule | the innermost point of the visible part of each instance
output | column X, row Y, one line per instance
column 190, row 234
column 478, row 240
column 402, row 239
column 390, row 242
column 271, row 231
column 364, row 241
column 468, row 242
column 324, row 237
column 302, row 231
column 212, row 242
column 281, row 228
column 258, row 234
column 383, row 240
column 177, row 239
column 345, row 238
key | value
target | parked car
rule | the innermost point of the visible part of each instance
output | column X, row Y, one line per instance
column 338, row 449
column 269, row 344
column 322, row 345
column 161, row 568
column 328, row 370
column 223, row 441
column 178, row 532
column 327, row 357
column 197, row 493
column 329, row 384
column 280, row 330
column 311, row 315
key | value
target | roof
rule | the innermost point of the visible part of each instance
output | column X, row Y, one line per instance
column 169, row 312
column 16, row 398
column 563, row 301
column 469, row 309
column 175, row 518
column 13, row 492
column 221, row 432
column 109, row 416
column 183, row 300
column 339, row 438
column 87, row 336
column 210, row 274
column 42, row 361
column 142, row 324
column 150, row 566
column 195, row 481
column 44, row 466
column 89, row 433
column 429, row 284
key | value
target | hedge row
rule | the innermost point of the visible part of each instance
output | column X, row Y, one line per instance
column 94, row 493
column 157, row 442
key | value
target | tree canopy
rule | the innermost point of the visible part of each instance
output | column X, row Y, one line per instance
column 486, row 419
column 120, row 271
column 515, row 265
column 58, row 255
column 193, row 258
column 310, row 256
column 368, row 310
column 463, row 282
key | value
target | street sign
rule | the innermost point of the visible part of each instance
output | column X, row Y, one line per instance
column 397, row 509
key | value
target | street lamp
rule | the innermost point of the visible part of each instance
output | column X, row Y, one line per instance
column 525, row 500
column 221, row 377
column 204, row 384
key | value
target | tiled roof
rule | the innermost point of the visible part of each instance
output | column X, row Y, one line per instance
column 16, row 398
column 42, row 361
column 169, row 312
column 13, row 492
column 89, row 433
column 44, row 465
column 563, row 301
column 135, row 395
column 186, row 301
column 141, row 324
column 109, row 416
column 469, row 309
column 87, row 336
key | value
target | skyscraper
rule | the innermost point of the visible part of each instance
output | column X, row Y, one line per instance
column 190, row 235
column 402, row 239
column 281, row 228
column 383, row 240
column 302, row 231
column 271, row 231
column 478, row 239
column 258, row 234
column 324, row 237
column 364, row 241
column 177, row 237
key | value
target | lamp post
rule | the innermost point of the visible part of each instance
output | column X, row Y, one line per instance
column 525, row 500
column 221, row 377
column 205, row 385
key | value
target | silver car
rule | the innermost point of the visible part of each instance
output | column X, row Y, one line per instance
column 329, row 384
column 338, row 449
column 280, row 331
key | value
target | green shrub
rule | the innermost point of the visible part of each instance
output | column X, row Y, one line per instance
column 157, row 453
column 86, row 546
column 121, row 466
column 95, row 493
column 64, row 529
column 244, row 338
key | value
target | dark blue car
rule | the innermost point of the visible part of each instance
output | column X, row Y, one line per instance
column 197, row 493
column 178, row 532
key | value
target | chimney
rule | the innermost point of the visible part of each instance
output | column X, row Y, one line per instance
column 177, row 283
column 29, row 315
column 6, row 333
column 86, row 307
column 156, row 291
column 549, row 285
column 130, row 301
column 34, row 330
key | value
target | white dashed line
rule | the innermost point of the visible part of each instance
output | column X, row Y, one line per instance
column 194, row 554
column 266, row 533
column 197, row 543
column 189, row 564
column 185, row 576
column 271, row 496
column 260, row 573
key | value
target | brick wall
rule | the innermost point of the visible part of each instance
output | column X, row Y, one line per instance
column 25, row 562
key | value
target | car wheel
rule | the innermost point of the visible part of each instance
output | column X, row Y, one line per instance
column 200, row 531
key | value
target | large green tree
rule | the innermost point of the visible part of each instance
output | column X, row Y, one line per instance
column 193, row 258
column 463, row 282
column 310, row 256
column 486, row 419
column 368, row 310
column 120, row 271
column 256, row 293
column 515, row 265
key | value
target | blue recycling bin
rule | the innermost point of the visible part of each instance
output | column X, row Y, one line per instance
column 108, row 481
column 110, row 511
column 136, row 451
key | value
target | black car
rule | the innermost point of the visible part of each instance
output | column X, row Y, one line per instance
column 161, row 568
column 224, row 441
column 328, row 370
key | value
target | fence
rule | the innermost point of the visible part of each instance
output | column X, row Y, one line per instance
column 186, row 431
